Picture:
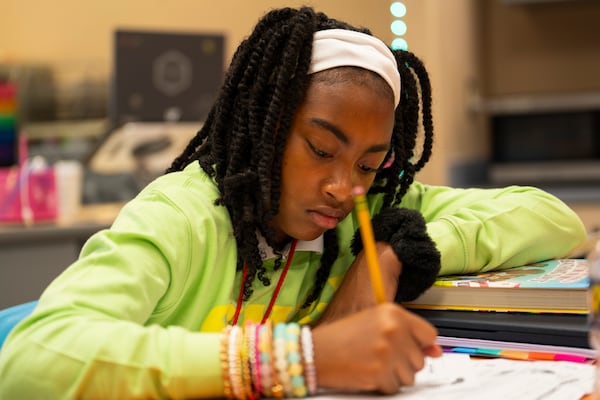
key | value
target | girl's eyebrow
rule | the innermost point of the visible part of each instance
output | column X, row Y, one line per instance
column 328, row 126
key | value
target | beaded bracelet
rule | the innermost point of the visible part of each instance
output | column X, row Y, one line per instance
column 259, row 359
column 235, row 366
column 265, row 369
column 224, row 357
column 308, row 358
column 245, row 364
column 277, row 390
column 295, row 369
column 255, row 359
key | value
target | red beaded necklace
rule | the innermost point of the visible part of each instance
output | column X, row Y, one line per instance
column 277, row 288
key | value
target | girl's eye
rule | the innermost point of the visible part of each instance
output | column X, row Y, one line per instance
column 323, row 154
column 319, row 152
column 368, row 170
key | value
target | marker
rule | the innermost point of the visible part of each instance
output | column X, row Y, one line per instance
column 518, row 354
column 366, row 233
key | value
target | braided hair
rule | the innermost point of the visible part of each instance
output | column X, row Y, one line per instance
column 242, row 140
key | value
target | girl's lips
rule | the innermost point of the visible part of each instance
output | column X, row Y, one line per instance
column 323, row 220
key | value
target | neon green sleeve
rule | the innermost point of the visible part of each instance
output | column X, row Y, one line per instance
column 123, row 321
column 484, row 229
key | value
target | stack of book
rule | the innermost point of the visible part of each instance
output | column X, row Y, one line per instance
column 544, row 303
column 553, row 286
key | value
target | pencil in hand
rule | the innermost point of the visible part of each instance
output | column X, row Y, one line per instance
column 366, row 233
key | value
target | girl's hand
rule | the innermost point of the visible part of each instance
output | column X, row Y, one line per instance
column 378, row 349
column 356, row 291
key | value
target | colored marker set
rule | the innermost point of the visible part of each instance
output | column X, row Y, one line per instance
column 518, row 354
column 515, row 351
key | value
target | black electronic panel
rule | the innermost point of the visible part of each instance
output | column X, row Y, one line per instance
column 165, row 76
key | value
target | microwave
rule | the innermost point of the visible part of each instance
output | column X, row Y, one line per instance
column 546, row 148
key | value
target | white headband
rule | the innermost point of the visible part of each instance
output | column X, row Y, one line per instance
column 341, row 47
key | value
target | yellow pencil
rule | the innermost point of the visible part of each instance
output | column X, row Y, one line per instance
column 366, row 232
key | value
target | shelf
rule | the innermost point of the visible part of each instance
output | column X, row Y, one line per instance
column 85, row 128
column 523, row 104
column 547, row 171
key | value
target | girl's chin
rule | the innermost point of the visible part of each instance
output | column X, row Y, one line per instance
column 309, row 235
column 306, row 233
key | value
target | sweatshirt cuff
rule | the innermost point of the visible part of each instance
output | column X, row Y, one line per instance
column 453, row 252
column 405, row 230
column 200, row 375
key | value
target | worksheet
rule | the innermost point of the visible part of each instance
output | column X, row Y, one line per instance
column 458, row 377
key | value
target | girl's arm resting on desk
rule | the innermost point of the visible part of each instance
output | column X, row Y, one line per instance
column 96, row 330
column 483, row 229
column 473, row 229
column 92, row 350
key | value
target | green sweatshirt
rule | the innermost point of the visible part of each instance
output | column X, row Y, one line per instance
column 138, row 315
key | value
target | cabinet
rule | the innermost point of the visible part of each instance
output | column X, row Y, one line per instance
column 540, row 95
column 32, row 256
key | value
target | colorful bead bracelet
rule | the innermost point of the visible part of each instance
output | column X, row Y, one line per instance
column 262, row 360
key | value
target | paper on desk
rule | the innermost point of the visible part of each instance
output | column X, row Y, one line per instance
column 457, row 376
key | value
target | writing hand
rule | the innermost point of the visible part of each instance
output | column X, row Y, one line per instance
column 378, row 349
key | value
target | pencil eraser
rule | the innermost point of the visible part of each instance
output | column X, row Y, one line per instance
column 358, row 190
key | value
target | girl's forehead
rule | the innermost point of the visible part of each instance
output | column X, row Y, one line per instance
column 351, row 107
column 352, row 76
column 348, row 96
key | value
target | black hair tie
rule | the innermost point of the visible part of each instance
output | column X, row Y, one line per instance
column 406, row 232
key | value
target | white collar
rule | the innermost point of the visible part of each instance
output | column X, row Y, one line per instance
column 266, row 251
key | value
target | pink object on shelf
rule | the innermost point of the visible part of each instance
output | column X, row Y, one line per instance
column 28, row 195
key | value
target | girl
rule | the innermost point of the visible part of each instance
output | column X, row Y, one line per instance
column 238, row 274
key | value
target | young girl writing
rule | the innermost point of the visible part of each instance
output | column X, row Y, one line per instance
column 240, row 272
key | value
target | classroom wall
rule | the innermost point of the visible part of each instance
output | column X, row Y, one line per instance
column 73, row 31
column 468, row 46
column 536, row 49
column 444, row 35
column 75, row 37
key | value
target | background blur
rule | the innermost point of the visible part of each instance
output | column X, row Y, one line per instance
column 486, row 58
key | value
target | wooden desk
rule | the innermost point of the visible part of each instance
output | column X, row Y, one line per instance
column 32, row 256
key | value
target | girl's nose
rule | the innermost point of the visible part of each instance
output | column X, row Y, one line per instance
column 339, row 187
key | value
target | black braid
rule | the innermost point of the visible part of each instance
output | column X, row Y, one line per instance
column 242, row 140
column 241, row 143
column 415, row 98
